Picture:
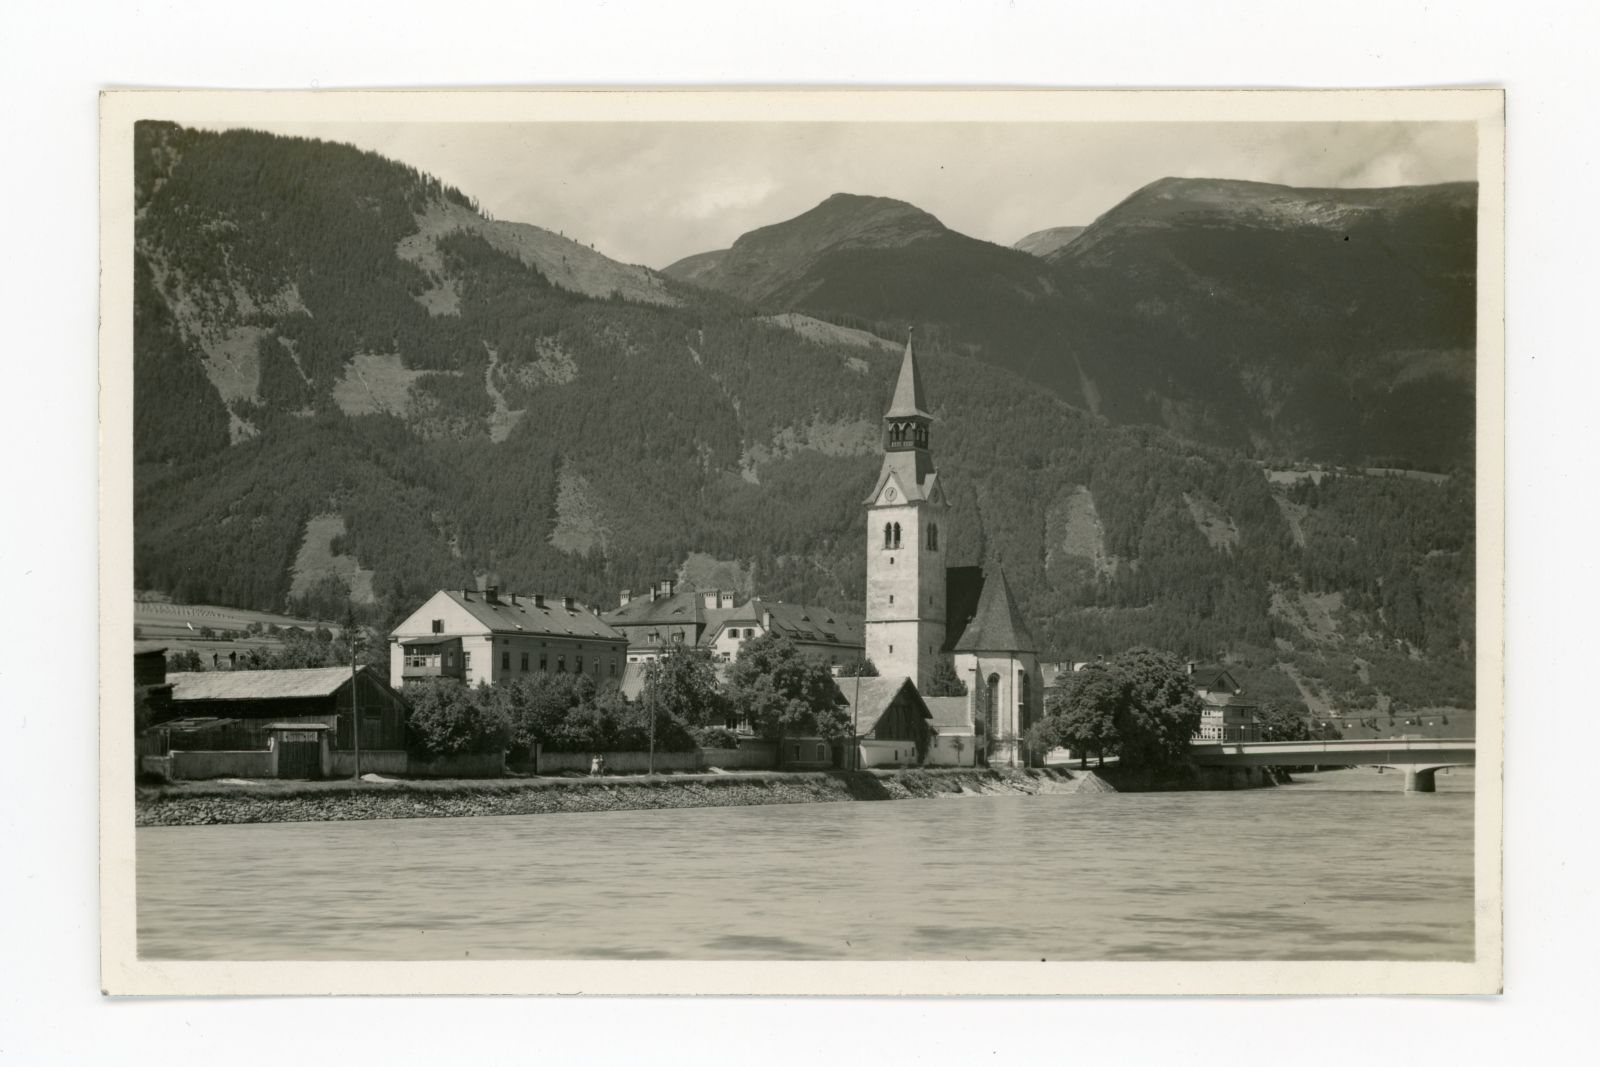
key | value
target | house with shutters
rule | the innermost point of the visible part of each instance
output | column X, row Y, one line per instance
column 485, row 635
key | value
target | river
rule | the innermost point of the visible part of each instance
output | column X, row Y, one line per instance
column 1339, row 866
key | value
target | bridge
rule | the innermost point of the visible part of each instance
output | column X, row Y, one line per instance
column 1418, row 757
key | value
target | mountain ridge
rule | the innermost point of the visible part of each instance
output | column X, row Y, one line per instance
column 588, row 442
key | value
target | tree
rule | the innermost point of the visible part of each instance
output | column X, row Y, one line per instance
column 1081, row 715
column 783, row 694
column 944, row 681
column 1281, row 722
column 185, row 659
column 861, row 668
column 1138, row 705
column 1159, row 713
column 682, row 684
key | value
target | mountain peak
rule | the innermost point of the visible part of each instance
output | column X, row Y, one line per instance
column 764, row 260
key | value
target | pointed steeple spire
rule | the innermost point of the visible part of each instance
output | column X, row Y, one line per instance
column 997, row 625
column 908, row 398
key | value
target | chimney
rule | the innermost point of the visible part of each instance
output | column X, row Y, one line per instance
column 513, row 600
column 653, row 592
column 1190, row 666
column 567, row 602
column 667, row 585
column 466, row 594
column 725, row 599
column 766, row 619
column 627, row 595
column 491, row 594
column 709, row 598
column 538, row 600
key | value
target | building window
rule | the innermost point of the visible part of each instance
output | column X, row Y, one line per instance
column 561, row 665
column 449, row 659
column 888, row 535
column 438, row 626
column 992, row 712
column 505, row 661
column 891, row 598
column 577, row 664
column 613, row 668
column 544, row 662
column 897, row 535
column 466, row 661
column 524, row 661
column 933, row 537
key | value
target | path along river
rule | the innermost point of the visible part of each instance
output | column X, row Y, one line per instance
column 1340, row 866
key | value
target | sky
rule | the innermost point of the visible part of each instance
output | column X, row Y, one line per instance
column 652, row 193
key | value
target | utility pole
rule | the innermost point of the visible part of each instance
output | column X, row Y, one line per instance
column 855, row 722
column 653, row 713
column 355, row 689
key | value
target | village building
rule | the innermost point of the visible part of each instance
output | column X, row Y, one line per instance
column 919, row 609
column 890, row 720
column 226, row 710
column 1226, row 714
column 485, row 635
column 673, row 616
column 820, row 634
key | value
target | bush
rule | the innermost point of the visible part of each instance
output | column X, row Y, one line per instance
column 716, row 737
column 448, row 719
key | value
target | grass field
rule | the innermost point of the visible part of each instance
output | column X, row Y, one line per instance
column 156, row 620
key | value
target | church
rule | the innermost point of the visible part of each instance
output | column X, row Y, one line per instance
column 919, row 610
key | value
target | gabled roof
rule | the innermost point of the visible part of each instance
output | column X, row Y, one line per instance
column 997, row 625
column 912, row 471
column 908, row 398
column 683, row 608
column 804, row 622
column 875, row 697
column 518, row 614
column 1213, row 676
column 951, row 715
column 260, row 685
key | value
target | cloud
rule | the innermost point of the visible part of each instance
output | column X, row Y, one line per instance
column 704, row 203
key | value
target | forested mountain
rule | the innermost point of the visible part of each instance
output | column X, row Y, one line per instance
column 347, row 380
column 1334, row 325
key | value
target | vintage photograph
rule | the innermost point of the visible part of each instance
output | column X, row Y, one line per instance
column 594, row 530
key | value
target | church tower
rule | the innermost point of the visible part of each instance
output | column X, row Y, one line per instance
column 908, row 540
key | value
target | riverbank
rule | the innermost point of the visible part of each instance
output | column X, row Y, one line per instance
column 211, row 803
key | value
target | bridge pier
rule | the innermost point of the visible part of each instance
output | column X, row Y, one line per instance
column 1419, row 781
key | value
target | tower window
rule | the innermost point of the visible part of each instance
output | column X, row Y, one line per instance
column 897, row 535
column 933, row 537
column 891, row 598
column 888, row 535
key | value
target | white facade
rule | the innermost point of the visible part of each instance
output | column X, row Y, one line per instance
column 1009, row 695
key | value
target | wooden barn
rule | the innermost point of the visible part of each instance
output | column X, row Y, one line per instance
column 318, row 695
column 891, row 721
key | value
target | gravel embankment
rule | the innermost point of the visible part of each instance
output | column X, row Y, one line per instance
column 194, row 804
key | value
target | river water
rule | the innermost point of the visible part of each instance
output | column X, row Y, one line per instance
column 1340, row 866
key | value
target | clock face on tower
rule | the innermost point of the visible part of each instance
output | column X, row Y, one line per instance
column 889, row 494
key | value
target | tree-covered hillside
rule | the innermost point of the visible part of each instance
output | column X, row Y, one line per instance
column 305, row 347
